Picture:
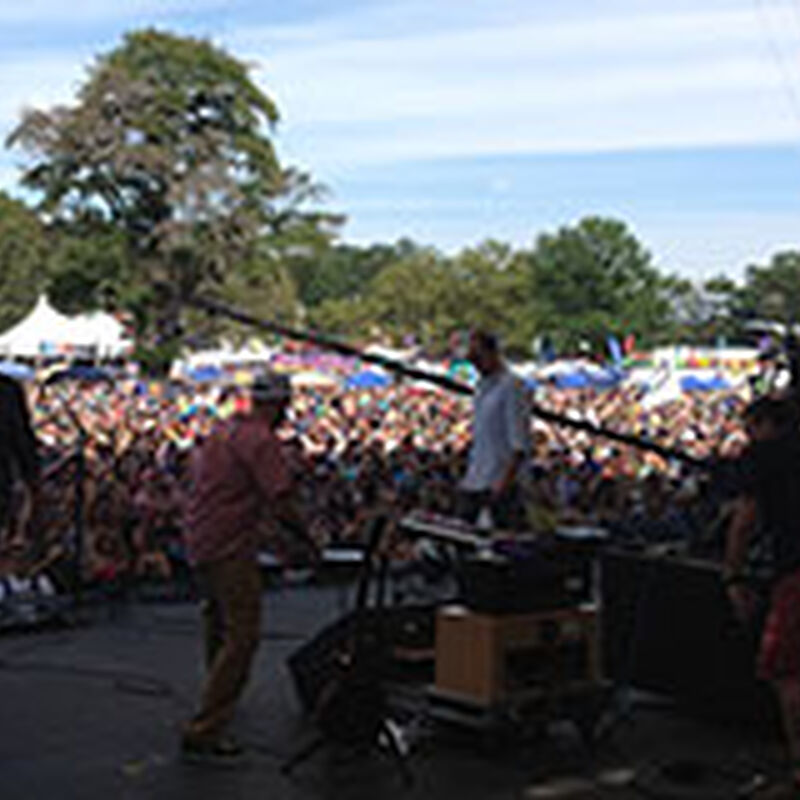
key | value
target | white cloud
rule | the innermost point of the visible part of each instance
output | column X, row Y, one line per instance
column 79, row 12
column 354, row 90
column 37, row 81
column 714, row 242
column 633, row 81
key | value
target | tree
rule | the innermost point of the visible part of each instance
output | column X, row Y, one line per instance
column 345, row 271
column 772, row 291
column 89, row 267
column 408, row 298
column 489, row 289
column 169, row 144
column 594, row 279
column 23, row 260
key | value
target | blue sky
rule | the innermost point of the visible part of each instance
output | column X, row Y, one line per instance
column 452, row 121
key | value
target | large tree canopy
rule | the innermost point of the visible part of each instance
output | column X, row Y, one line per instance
column 169, row 143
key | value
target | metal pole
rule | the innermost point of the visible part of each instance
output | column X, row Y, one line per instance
column 214, row 307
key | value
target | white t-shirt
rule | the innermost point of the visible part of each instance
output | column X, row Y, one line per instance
column 501, row 425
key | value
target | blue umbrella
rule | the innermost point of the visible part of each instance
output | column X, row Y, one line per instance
column 205, row 374
column 20, row 372
column 572, row 380
column 80, row 372
column 605, row 378
column 695, row 383
column 367, row 380
column 595, row 378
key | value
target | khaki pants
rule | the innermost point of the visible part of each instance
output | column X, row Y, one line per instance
column 231, row 612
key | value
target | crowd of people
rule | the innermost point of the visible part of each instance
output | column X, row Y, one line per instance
column 126, row 445
column 137, row 482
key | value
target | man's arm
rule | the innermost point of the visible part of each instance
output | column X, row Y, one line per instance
column 288, row 512
column 22, row 438
column 22, row 450
column 740, row 533
column 510, row 472
column 738, row 537
column 268, row 467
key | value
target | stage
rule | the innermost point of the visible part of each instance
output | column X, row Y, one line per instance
column 93, row 711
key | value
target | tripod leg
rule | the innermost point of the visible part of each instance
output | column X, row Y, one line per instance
column 303, row 754
column 398, row 750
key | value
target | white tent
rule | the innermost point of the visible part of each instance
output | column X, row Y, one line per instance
column 46, row 331
column 100, row 333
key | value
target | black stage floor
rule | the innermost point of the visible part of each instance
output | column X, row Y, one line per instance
column 93, row 712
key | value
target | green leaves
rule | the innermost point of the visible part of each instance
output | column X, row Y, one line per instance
column 169, row 147
column 594, row 279
column 23, row 258
column 772, row 291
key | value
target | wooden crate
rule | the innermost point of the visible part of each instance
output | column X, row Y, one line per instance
column 496, row 659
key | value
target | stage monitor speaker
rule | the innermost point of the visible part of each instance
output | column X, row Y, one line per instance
column 316, row 663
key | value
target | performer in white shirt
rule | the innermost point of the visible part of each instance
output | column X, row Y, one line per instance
column 500, row 451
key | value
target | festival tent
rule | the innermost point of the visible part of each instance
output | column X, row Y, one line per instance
column 100, row 333
column 310, row 379
column 40, row 333
column 253, row 354
column 46, row 332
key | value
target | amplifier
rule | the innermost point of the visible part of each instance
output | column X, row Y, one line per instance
column 516, row 583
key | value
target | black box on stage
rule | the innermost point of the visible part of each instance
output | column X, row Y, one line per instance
column 534, row 581
column 667, row 627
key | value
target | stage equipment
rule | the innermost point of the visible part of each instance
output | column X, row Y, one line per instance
column 514, row 574
column 499, row 670
column 668, row 628
column 444, row 529
column 522, row 643
column 497, row 658
column 32, row 599
column 340, row 675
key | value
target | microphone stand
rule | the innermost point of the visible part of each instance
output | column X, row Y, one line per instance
column 78, row 520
